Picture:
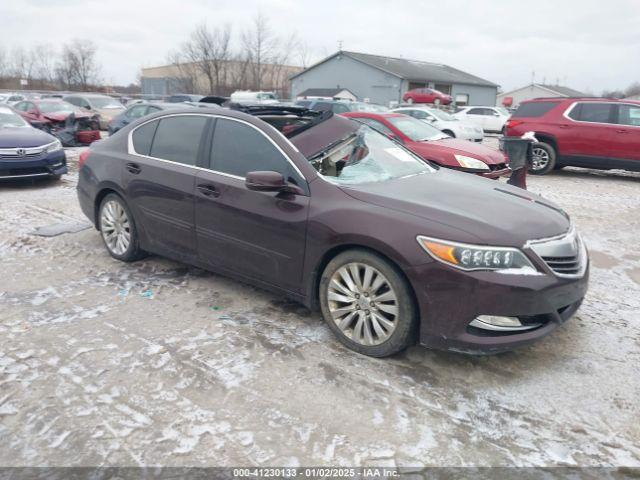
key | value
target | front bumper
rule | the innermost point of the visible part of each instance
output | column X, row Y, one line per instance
column 49, row 165
column 495, row 174
column 450, row 299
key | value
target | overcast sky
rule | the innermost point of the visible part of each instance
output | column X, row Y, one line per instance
column 589, row 45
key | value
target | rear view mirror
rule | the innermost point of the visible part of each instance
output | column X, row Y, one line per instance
column 265, row 181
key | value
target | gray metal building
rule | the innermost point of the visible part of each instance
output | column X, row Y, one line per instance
column 385, row 79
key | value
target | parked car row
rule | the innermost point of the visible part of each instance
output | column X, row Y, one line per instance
column 343, row 217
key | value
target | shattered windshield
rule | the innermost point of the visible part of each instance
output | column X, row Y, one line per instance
column 366, row 156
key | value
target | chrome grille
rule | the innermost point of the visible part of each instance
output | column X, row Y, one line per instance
column 564, row 265
column 565, row 254
column 5, row 156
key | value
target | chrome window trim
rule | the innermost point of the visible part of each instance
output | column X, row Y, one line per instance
column 132, row 151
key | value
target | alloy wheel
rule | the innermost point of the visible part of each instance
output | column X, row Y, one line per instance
column 115, row 227
column 540, row 159
column 363, row 304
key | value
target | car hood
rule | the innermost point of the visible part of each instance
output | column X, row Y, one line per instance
column 110, row 112
column 61, row 116
column 23, row 137
column 493, row 212
column 443, row 151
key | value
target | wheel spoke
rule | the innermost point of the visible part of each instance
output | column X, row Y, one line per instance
column 335, row 284
column 354, row 269
column 346, row 321
column 357, row 330
column 380, row 332
column 346, row 277
column 387, row 296
column 387, row 324
column 336, row 297
column 340, row 312
column 390, row 309
column 368, row 336
column 368, row 276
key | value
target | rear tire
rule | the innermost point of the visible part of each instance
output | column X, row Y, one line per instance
column 118, row 229
column 436, row 101
column 368, row 304
column 410, row 101
column 544, row 159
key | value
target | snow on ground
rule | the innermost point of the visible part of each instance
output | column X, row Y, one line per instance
column 159, row 363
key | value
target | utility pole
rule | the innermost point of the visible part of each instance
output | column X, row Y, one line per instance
column 339, row 45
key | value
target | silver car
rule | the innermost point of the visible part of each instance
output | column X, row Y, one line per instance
column 444, row 122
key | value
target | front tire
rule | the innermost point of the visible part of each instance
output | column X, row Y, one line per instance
column 410, row 101
column 436, row 101
column 118, row 229
column 543, row 159
column 368, row 304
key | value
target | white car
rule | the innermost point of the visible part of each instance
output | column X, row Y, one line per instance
column 10, row 98
column 446, row 123
column 490, row 119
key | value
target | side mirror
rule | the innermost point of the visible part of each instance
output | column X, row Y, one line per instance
column 265, row 181
column 32, row 112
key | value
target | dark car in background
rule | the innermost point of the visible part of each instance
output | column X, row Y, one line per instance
column 340, row 106
column 339, row 217
column 599, row 133
column 54, row 116
column 137, row 111
column 432, row 145
column 184, row 97
column 25, row 151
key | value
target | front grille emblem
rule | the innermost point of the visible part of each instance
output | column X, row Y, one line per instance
column 21, row 152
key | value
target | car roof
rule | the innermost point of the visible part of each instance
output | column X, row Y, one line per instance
column 585, row 99
column 380, row 115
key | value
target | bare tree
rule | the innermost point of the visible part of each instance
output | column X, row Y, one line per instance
column 21, row 63
column 186, row 78
column 209, row 51
column 632, row 90
column 77, row 66
column 259, row 45
column 44, row 63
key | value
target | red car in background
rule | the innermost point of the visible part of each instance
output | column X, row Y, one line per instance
column 431, row 144
column 51, row 116
column 426, row 95
column 601, row 133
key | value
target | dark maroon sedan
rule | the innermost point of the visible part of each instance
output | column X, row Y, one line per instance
column 339, row 217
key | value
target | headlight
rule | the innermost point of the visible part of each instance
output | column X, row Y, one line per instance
column 53, row 147
column 476, row 257
column 468, row 162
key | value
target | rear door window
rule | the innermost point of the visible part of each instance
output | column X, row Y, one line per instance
column 178, row 138
column 238, row 149
column 476, row 111
column 143, row 137
column 629, row 115
column 593, row 112
column 534, row 109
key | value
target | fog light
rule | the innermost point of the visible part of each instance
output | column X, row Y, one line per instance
column 501, row 324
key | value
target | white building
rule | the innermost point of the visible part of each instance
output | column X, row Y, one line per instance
column 535, row 90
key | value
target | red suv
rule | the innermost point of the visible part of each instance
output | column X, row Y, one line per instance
column 426, row 95
column 597, row 133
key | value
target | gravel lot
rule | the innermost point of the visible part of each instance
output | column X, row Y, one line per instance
column 158, row 363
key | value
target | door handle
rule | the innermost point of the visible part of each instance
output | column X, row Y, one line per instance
column 134, row 168
column 564, row 125
column 208, row 190
column 621, row 131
